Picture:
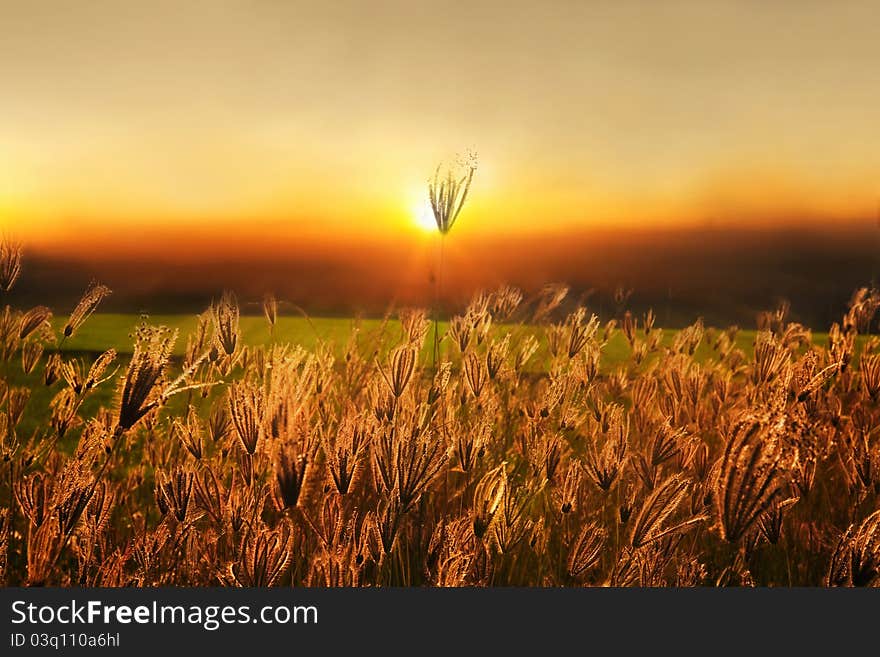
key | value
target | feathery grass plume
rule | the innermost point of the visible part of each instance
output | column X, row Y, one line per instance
column 451, row 555
column 241, row 501
column 86, row 306
column 447, row 193
column 655, row 341
column 10, row 263
column 95, row 376
column 688, row 339
column 475, row 373
column 512, row 522
column 98, row 512
column 468, row 445
column 415, row 326
column 247, row 410
column 617, row 382
column 52, row 369
column 40, row 550
column 863, row 306
column 72, row 501
column 528, row 347
column 288, row 382
column 9, row 342
column 219, row 422
column 752, row 475
column 579, row 334
column 419, row 457
column 34, row 495
column 210, row 494
column 290, row 474
column 64, row 406
column 772, row 321
column 146, row 370
column 383, row 525
column 10, row 320
column 189, row 432
column 31, row 352
column 856, row 558
column 639, row 352
column 649, row 524
column 16, row 401
column 551, row 297
column 173, row 492
column 603, row 467
column 460, row 330
column 567, row 495
column 587, row 550
column 628, row 326
column 382, row 401
column 265, row 556
column 504, row 302
column 226, row 316
column 73, row 372
column 270, row 311
column 841, row 345
column 401, row 367
column 666, row 443
column 648, row 321
column 806, row 380
column 771, row 359
column 796, row 336
column 644, row 394
column 770, row 523
column 32, row 320
column 200, row 340
column 863, row 462
column 488, row 497
column 344, row 545
column 557, row 336
column 482, row 323
column 870, row 372
column 346, row 448
column 621, row 296
column 448, row 190
column 496, row 355
column 548, row 456
column 439, row 383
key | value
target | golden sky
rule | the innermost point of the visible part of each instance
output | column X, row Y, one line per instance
column 296, row 120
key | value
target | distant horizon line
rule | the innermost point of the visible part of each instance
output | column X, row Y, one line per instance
column 157, row 245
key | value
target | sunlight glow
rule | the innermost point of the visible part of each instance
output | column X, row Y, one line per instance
column 423, row 217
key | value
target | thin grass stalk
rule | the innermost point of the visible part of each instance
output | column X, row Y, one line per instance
column 438, row 285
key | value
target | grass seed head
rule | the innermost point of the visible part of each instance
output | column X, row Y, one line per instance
column 10, row 263
column 86, row 306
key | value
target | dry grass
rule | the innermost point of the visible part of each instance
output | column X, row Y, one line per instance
column 274, row 465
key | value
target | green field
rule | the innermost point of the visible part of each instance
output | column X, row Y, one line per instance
column 105, row 331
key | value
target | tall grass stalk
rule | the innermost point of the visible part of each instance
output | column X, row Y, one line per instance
column 447, row 192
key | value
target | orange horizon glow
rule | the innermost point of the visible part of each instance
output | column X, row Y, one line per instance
column 408, row 219
column 175, row 130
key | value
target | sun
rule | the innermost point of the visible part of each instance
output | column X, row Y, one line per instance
column 423, row 216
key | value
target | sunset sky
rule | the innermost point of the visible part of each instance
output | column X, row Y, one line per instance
column 144, row 124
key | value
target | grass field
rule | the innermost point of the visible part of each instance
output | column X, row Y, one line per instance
column 106, row 331
column 540, row 452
